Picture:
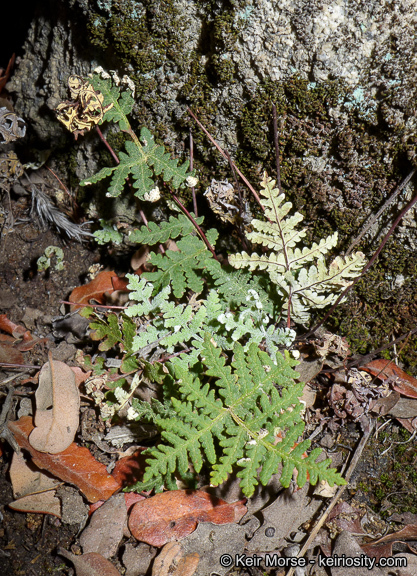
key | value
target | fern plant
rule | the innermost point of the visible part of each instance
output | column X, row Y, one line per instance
column 229, row 396
column 246, row 414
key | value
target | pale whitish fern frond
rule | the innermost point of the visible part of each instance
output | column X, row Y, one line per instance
column 300, row 274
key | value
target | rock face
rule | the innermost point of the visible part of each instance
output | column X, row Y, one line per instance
column 341, row 73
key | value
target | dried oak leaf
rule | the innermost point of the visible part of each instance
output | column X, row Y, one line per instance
column 91, row 564
column 41, row 503
column 383, row 546
column 94, row 290
column 27, row 479
column 9, row 355
column 173, row 515
column 399, row 380
column 75, row 465
column 57, row 408
column 105, row 529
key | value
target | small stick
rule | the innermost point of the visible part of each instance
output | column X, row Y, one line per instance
column 191, row 168
column 209, row 136
column 276, row 143
column 371, row 261
column 196, row 226
column 93, row 305
column 337, row 496
column 374, row 218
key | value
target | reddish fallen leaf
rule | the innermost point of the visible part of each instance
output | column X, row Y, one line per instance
column 410, row 424
column 131, row 498
column 75, row 465
column 130, row 469
column 91, row 564
column 9, row 355
column 173, row 515
column 119, row 283
column 94, row 290
column 14, row 329
column 383, row 546
column 80, row 375
column 25, row 339
column 399, row 380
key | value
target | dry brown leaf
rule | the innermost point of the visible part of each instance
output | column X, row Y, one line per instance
column 75, row 465
column 383, row 546
column 399, row 380
column 173, row 515
column 57, row 408
column 173, row 562
column 27, row 479
column 105, row 530
column 94, row 290
column 42, row 503
column 129, row 469
column 9, row 354
column 91, row 564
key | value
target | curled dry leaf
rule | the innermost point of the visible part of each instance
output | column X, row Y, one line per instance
column 27, row 479
column 75, row 465
column 57, row 408
column 173, row 515
column 91, row 564
column 94, row 290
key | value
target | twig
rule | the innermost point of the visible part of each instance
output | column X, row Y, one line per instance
column 374, row 218
column 19, row 366
column 209, row 136
column 92, row 305
column 371, row 261
column 107, row 145
column 276, row 143
column 337, row 496
column 191, row 168
column 196, row 226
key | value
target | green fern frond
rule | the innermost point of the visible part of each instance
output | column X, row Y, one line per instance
column 233, row 419
column 159, row 233
column 180, row 268
column 141, row 154
column 302, row 279
column 122, row 103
